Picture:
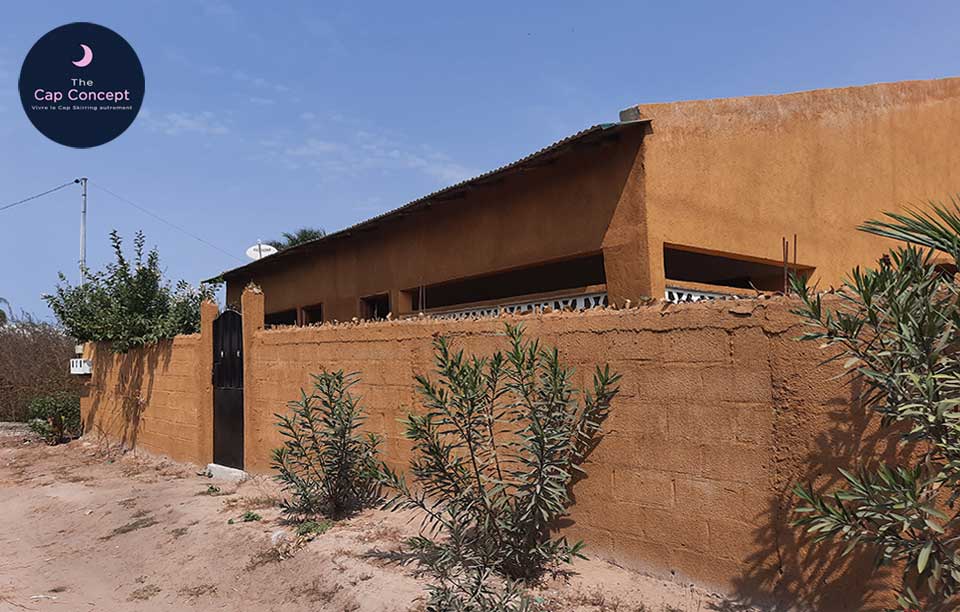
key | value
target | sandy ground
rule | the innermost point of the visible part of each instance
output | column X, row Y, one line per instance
column 84, row 528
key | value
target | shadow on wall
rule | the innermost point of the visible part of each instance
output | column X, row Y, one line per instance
column 125, row 380
column 788, row 570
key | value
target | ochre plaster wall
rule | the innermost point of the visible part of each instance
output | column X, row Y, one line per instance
column 568, row 208
column 721, row 412
column 157, row 398
column 735, row 175
column 148, row 398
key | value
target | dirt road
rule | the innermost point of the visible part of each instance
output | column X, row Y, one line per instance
column 82, row 529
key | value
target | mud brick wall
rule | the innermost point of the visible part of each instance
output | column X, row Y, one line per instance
column 721, row 411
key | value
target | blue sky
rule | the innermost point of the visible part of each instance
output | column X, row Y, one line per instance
column 261, row 117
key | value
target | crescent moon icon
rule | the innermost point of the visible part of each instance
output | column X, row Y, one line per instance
column 84, row 61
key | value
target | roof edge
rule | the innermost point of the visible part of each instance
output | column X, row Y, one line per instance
column 636, row 111
column 557, row 147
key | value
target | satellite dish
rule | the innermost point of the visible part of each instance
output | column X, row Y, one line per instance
column 259, row 251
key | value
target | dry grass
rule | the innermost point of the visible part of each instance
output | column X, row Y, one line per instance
column 595, row 600
column 127, row 503
column 141, row 523
column 317, row 592
column 144, row 593
column 264, row 557
column 259, row 502
column 196, row 592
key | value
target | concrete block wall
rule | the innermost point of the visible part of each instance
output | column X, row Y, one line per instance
column 721, row 412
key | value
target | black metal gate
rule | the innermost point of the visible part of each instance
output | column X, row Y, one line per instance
column 228, row 389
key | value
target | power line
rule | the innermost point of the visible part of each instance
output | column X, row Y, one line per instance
column 39, row 195
column 162, row 220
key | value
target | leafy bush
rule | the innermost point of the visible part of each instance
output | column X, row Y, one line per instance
column 56, row 417
column 326, row 464
column 129, row 303
column 34, row 358
column 896, row 327
column 497, row 452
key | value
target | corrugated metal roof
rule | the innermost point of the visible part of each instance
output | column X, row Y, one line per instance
column 601, row 130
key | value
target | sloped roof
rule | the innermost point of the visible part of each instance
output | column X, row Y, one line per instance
column 541, row 157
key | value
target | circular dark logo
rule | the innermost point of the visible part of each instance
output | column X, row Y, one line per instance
column 81, row 85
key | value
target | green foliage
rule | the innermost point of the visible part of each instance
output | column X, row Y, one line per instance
column 3, row 315
column 311, row 529
column 896, row 328
column 497, row 452
column 128, row 303
column 56, row 417
column 325, row 463
column 477, row 589
column 304, row 234
column 250, row 516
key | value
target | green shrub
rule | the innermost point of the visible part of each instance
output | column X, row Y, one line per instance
column 128, row 304
column 325, row 463
column 55, row 417
column 497, row 452
column 896, row 328
column 311, row 529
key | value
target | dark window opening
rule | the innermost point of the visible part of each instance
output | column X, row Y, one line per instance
column 544, row 278
column 375, row 306
column 284, row 317
column 725, row 271
column 312, row 315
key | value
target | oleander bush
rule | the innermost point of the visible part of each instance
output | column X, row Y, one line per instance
column 497, row 450
column 895, row 327
column 326, row 465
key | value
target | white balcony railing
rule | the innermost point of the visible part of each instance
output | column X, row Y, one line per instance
column 573, row 302
column 678, row 295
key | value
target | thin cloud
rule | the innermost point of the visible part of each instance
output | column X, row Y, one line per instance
column 260, row 82
column 313, row 148
column 176, row 123
column 222, row 12
column 346, row 151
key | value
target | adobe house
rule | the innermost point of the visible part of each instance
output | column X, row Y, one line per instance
column 680, row 200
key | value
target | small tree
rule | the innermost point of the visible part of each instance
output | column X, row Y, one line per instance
column 896, row 328
column 325, row 463
column 129, row 303
column 497, row 451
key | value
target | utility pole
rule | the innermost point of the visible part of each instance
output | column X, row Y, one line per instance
column 83, row 230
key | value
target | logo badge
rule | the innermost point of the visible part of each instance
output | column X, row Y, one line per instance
column 81, row 85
